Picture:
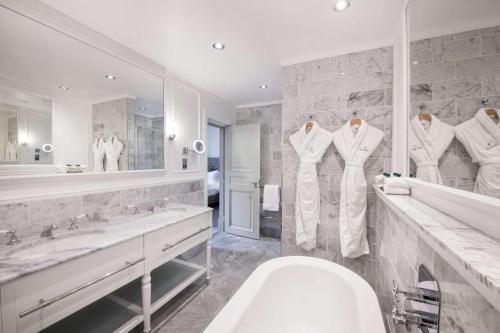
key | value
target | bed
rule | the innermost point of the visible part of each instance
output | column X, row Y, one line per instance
column 213, row 181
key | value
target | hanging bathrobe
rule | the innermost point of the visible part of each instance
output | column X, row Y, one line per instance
column 11, row 150
column 113, row 150
column 355, row 146
column 310, row 148
column 480, row 136
column 427, row 145
column 99, row 153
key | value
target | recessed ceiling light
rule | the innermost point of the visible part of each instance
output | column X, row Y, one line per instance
column 342, row 73
column 218, row 46
column 110, row 77
column 142, row 108
column 341, row 5
column 63, row 88
column 415, row 62
column 263, row 86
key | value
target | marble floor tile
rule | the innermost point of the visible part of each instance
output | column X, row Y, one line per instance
column 233, row 260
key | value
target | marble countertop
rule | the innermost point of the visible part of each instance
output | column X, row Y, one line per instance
column 473, row 254
column 35, row 254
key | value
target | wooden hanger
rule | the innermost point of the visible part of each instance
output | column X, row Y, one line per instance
column 492, row 113
column 309, row 124
column 356, row 120
column 424, row 116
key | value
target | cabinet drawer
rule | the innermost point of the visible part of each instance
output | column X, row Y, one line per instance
column 45, row 297
column 167, row 243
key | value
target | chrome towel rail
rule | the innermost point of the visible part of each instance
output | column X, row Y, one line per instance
column 45, row 303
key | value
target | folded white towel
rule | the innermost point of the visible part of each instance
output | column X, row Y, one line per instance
column 396, row 182
column 271, row 200
column 396, row 190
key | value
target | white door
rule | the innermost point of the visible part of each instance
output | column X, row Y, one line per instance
column 242, row 175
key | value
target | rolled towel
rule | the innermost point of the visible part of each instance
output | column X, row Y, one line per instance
column 396, row 182
column 271, row 200
column 396, row 190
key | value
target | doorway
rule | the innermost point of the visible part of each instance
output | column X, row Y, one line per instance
column 215, row 177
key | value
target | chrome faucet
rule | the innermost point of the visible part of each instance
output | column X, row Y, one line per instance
column 48, row 230
column 133, row 208
column 164, row 202
column 73, row 225
column 13, row 240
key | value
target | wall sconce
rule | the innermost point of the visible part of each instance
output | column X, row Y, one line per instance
column 171, row 130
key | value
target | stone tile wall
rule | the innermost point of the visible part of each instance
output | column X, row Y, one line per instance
column 330, row 90
column 399, row 253
column 450, row 76
column 269, row 118
column 29, row 217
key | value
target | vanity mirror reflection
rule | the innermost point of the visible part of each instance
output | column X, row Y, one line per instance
column 454, row 60
column 68, row 104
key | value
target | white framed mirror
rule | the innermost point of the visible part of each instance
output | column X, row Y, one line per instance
column 99, row 111
column 454, row 94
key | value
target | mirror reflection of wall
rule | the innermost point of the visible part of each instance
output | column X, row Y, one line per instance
column 25, row 127
column 108, row 114
column 454, row 130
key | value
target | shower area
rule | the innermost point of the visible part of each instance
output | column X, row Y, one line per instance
column 149, row 138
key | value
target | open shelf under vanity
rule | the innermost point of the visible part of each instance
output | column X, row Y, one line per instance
column 121, row 310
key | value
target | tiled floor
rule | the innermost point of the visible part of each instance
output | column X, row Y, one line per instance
column 233, row 260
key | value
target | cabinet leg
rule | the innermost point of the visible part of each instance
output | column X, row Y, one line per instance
column 146, row 301
column 209, row 259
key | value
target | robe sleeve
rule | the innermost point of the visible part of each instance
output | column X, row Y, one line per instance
column 326, row 142
column 460, row 134
column 294, row 142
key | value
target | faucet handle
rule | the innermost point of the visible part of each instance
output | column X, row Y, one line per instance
column 13, row 238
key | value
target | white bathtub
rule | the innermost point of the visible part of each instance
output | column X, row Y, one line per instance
column 301, row 294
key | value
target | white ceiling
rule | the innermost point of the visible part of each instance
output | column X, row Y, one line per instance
column 431, row 18
column 260, row 36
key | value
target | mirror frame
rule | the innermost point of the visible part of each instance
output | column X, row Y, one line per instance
column 60, row 23
column 476, row 210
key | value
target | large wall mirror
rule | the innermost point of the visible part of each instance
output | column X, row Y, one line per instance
column 66, row 103
column 454, row 64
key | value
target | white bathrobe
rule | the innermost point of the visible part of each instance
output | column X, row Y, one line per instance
column 113, row 150
column 11, row 151
column 427, row 146
column 355, row 148
column 480, row 136
column 310, row 148
column 99, row 153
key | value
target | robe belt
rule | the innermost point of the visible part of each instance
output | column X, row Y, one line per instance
column 354, row 163
column 427, row 163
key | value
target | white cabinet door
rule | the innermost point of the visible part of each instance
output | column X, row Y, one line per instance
column 242, row 193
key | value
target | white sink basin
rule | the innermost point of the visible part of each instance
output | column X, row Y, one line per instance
column 62, row 243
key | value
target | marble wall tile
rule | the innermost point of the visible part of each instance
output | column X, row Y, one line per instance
column 366, row 98
column 491, row 85
column 160, row 192
column 424, row 73
column 134, row 196
column 420, row 92
column 491, row 44
column 456, row 49
column 14, row 216
column 101, row 205
column 442, row 109
column 461, row 88
column 51, row 211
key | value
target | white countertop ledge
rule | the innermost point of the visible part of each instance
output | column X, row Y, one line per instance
column 117, row 230
column 473, row 254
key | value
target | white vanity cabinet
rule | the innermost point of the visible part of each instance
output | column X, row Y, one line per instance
column 121, row 273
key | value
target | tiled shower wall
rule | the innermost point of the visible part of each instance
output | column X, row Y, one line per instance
column 270, row 120
column 28, row 218
column 148, row 146
column 399, row 253
column 330, row 90
column 450, row 76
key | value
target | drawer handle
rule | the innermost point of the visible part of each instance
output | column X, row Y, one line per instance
column 45, row 303
column 168, row 246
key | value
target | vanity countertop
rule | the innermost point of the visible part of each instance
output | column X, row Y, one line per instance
column 32, row 255
column 472, row 253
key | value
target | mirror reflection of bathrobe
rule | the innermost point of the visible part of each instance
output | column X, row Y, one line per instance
column 310, row 148
column 99, row 153
column 427, row 145
column 480, row 136
column 113, row 150
column 11, row 150
column 355, row 148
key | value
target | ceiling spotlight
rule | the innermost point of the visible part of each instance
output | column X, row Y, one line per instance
column 142, row 108
column 218, row 46
column 110, row 77
column 341, row 5
column 263, row 86
column 415, row 62
column 63, row 88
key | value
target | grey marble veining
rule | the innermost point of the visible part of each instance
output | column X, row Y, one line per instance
column 50, row 252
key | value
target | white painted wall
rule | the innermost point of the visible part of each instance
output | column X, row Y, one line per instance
column 213, row 141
